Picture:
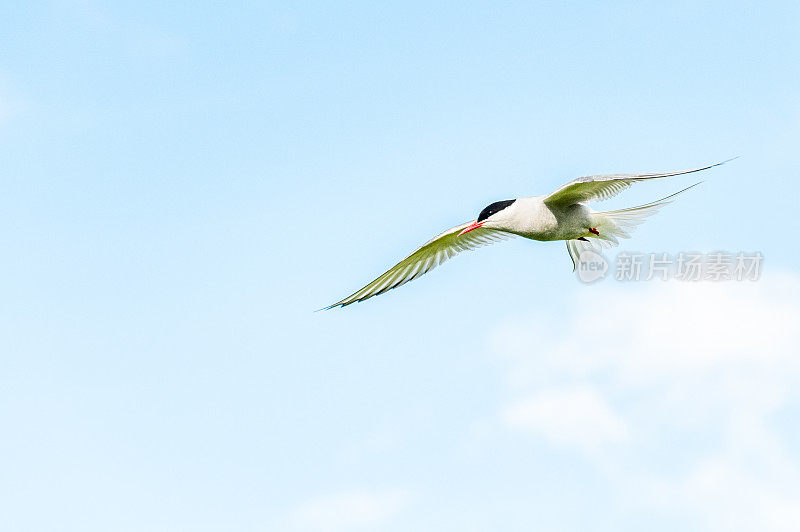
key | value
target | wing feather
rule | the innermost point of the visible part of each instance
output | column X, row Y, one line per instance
column 424, row 259
column 602, row 187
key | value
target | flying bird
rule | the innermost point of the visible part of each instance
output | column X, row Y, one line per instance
column 560, row 215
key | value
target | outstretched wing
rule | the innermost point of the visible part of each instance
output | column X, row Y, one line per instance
column 424, row 259
column 600, row 187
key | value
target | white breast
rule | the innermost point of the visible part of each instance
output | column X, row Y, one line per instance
column 531, row 218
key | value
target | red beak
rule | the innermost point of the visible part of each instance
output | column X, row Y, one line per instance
column 470, row 227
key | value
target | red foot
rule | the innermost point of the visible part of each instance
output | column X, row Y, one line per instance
column 594, row 231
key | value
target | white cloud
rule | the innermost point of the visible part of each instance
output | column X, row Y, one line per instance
column 579, row 417
column 665, row 329
column 733, row 499
column 697, row 374
column 348, row 510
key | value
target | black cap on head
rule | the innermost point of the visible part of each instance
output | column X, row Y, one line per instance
column 495, row 207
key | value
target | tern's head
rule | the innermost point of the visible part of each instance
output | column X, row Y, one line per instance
column 494, row 214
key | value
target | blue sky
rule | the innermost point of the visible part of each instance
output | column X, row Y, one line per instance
column 183, row 184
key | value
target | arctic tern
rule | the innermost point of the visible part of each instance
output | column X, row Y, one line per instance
column 561, row 215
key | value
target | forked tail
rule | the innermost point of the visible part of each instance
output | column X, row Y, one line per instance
column 613, row 225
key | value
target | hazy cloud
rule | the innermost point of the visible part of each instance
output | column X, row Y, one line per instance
column 697, row 373
column 578, row 417
column 348, row 510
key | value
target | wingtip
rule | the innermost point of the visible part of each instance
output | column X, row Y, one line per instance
column 340, row 304
column 687, row 188
column 725, row 161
